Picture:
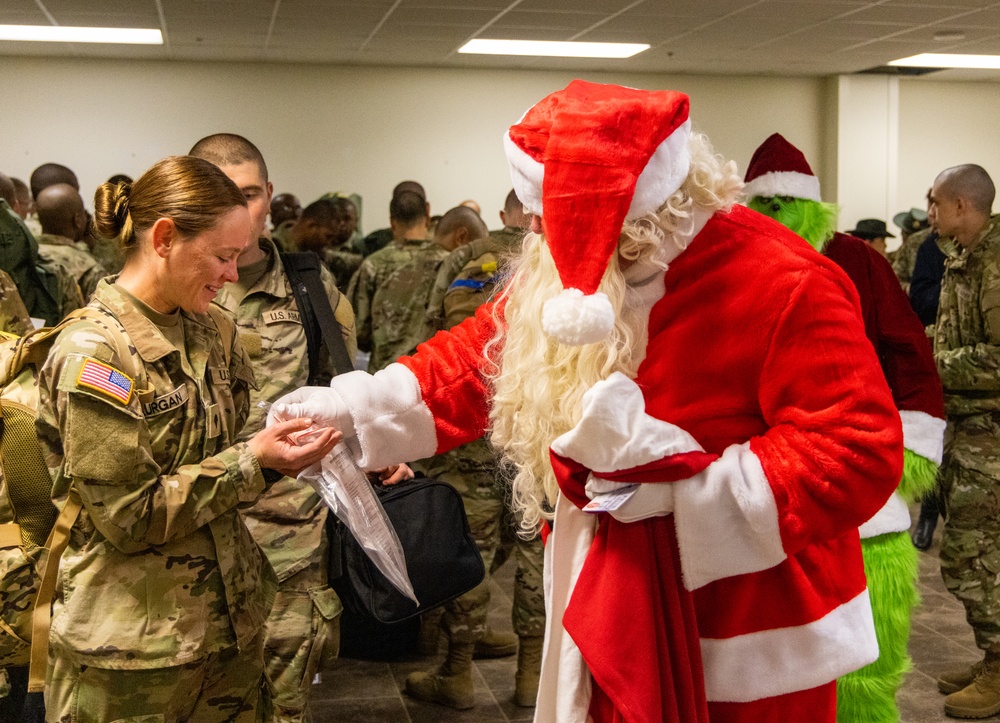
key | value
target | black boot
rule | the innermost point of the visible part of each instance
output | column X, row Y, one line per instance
column 923, row 535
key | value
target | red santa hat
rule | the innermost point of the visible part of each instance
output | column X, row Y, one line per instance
column 587, row 158
column 779, row 169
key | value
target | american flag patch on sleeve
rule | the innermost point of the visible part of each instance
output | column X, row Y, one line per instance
column 105, row 379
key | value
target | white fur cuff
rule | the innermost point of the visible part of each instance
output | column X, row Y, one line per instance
column 923, row 434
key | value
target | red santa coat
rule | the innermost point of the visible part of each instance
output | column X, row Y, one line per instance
column 756, row 348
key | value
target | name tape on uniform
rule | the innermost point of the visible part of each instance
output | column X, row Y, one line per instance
column 105, row 379
column 276, row 316
column 166, row 402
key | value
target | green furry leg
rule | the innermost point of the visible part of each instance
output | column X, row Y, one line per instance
column 869, row 695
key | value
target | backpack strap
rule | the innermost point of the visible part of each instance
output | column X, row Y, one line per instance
column 41, row 616
column 321, row 325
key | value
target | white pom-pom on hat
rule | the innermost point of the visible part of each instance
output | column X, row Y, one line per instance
column 574, row 318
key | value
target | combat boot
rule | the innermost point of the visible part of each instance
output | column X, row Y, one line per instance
column 956, row 679
column 429, row 637
column 980, row 699
column 529, row 668
column 495, row 645
column 452, row 684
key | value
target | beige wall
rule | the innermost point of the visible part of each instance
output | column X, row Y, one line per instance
column 875, row 143
column 345, row 128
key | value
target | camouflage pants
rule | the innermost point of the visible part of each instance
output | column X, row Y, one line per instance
column 225, row 686
column 970, row 545
column 302, row 629
column 471, row 469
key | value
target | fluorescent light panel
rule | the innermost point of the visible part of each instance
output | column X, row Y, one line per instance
column 948, row 60
column 65, row 34
column 553, row 49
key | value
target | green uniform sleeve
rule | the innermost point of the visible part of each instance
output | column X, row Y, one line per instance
column 360, row 293
column 976, row 367
column 103, row 447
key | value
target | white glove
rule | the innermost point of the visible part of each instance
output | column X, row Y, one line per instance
column 615, row 433
column 323, row 405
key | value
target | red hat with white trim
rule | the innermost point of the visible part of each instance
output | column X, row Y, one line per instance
column 586, row 159
column 779, row 169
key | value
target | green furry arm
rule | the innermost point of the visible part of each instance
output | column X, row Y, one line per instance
column 919, row 476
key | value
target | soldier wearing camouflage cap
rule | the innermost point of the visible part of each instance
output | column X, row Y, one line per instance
column 967, row 352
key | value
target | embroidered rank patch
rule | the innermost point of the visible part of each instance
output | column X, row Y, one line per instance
column 105, row 379
column 277, row 316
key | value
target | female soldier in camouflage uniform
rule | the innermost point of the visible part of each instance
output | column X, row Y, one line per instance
column 164, row 592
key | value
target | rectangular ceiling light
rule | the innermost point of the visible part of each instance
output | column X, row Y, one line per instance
column 553, row 49
column 65, row 34
column 948, row 60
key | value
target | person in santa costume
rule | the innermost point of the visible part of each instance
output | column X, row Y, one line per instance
column 695, row 374
column 781, row 184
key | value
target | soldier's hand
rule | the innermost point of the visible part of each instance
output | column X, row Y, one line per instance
column 394, row 474
column 277, row 447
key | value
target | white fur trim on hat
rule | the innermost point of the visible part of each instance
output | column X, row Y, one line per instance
column 664, row 173
column 574, row 319
column 526, row 174
column 784, row 183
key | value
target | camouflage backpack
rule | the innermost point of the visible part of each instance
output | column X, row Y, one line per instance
column 32, row 530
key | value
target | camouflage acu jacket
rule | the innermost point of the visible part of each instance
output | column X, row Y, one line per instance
column 14, row 317
column 81, row 265
column 389, row 293
column 967, row 334
column 287, row 521
column 160, row 568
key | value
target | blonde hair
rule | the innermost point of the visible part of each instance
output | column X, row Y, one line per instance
column 538, row 384
column 191, row 192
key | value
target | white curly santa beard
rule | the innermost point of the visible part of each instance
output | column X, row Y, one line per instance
column 540, row 385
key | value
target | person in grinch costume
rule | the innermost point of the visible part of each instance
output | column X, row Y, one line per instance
column 781, row 184
column 685, row 388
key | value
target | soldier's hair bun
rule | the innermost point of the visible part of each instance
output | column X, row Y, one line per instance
column 111, row 212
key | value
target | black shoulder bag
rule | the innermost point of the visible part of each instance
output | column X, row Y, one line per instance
column 442, row 558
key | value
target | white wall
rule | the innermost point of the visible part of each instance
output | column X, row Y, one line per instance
column 942, row 125
column 324, row 128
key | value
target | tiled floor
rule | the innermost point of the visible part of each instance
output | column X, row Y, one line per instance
column 368, row 692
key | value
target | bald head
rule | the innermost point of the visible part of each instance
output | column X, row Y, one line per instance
column 969, row 182
column 61, row 212
column 411, row 187
column 49, row 174
column 7, row 192
column 461, row 225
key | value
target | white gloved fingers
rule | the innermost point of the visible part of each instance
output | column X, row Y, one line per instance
column 597, row 486
column 321, row 404
column 649, row 500
column 615, row 433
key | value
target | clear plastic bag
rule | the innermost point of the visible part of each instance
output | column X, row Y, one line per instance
column 345, row 489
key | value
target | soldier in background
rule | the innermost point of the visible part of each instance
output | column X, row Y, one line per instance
column 285, row 211
column 380, row 238
column 14, row 317
column 48, row 290
column 467, row 279
column 913, row 228
column 64, row 223
column 967, row 352
column 23, row 204
column 327, row 227
column 288, row 521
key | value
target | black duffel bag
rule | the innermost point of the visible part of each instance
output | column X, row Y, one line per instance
column 442, row 558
